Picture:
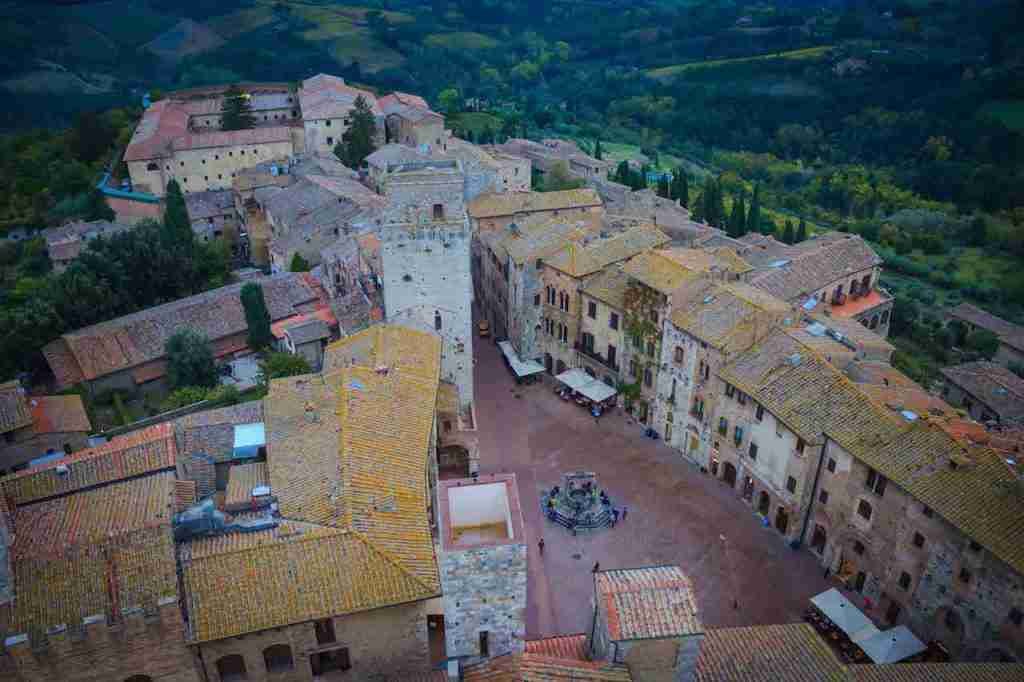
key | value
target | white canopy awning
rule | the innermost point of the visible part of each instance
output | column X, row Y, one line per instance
column 844, row 614
column 581, row 382
column 891, row 646
column 522, row 368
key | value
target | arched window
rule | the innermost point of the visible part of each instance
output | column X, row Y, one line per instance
column 437, row 320
column 885, row 317
column 278, row 658
column 231, row 668
column 152, row 166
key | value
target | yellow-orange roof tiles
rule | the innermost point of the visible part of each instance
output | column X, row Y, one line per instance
column 937, row 672
column 242, row 478
column 659, row 272
column 768, row 653
column 537, row 668
column 14, row 412
column 511, row 203
column 387, row 345
column 579, row 260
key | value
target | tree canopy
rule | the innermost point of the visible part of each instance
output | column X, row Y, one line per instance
column 236, row 110
column 359, row 141
column 257, row 318
column 190, row 360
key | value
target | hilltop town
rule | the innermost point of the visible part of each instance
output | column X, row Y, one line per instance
column 555, row 435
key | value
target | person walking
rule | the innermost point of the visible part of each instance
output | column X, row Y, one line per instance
column 540, row 546
column 596, row 568
column 625, row 510
column 615, row 517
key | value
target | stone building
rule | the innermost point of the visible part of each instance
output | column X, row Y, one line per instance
column 307, row 339
column 483, row 567
column 490, row 212
column 65, row 243
column 96, row 595
column 425, row 245
column 206, row 442
column 987, row 391
column 33, row 427
column 508, row 264
column 343, row 583
column 834, row 271
column 1011, row 336
column 409, row 120
column 604, row 295
column 127, row 353
column 563, row 275
column 708, row 324
column 545, row 155
column 326, row 104
column 213, row 215
column 646, row 618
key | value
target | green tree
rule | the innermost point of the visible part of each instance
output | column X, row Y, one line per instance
column 298, row 264
column 450, row 101
column 98, row 208
column 801, row 231
column 279, row 365
column 559, row 178
column 359, row 141
column 190, row 360
column 177, row 228
column 737, row 225
column 788, row 234
column 905, row 313
column 180, row 397
column 982, row 343
column 256, row 316
column 664, row 189
column 754, row 215
column 598, row 152
column 236, row 110
column 681, row 187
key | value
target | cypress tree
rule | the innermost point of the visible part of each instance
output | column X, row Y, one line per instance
column 698, row 209
column 801, row 232
column 683, row 191
column 358, row 142
column 236, row 110
column 754, row 216
column 663, row 188
column 719, row 205
column 787, row 234
column 598, row 152
column 256, row 316
column 177, row 229
column 738, row 220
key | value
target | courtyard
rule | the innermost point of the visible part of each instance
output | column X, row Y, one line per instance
column 742, row 572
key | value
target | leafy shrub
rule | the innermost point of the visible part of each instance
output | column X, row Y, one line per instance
column 187, row 395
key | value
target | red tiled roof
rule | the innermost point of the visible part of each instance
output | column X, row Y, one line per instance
column 650, row 602
column 160, row 125
column 323, row 314
column 572, row 647
column 59, row 414
column 139, row 452
column 14, row 410
column 232, row 138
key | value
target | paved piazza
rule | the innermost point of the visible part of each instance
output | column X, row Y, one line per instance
column 676, row 514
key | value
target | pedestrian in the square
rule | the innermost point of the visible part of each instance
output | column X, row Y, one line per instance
column 625, row 510
column 615, row 517
column 540, row 546
column 597, row 567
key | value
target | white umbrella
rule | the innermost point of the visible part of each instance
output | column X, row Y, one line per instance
column 844, row 614
column 890, row 646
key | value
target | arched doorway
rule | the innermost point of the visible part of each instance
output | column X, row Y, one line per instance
column 764, row 503
column 729, row 474
column 139, row 678
column 549, row 363
column 748, row 488
column 782, row 520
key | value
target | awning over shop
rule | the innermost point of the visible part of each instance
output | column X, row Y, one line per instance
column 581, row 382
column 522, row 368
column 844, row 615
column 891, row 646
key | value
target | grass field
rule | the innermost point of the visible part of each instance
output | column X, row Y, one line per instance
column 463, row 40
column 1010, row 112
column 666, row 72
column 242, row 21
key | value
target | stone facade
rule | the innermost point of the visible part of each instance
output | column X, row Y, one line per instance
column 150, row 645
column 684, row 407
column 560, row 324
column 605, row 328
column 379, row 645
column 645, row 314
column 916, row 568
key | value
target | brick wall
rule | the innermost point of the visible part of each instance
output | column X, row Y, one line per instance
column 93, row 651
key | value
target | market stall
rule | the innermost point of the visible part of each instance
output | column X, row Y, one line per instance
column 587, row 391
column 891, row 646
column 524, row 370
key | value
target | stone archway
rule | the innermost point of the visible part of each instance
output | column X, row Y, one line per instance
column 950, row 628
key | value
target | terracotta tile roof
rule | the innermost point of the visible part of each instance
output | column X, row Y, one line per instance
column 231, row 138
column 650, row 602
column 856, row 333
column 579, row 260
column 324, row 96
column 242, row 478
column 768, row 653
column 136, row 339
column 970, row 487
column 720, row 259
column 572, row 647
column 14, row 408
column 913, row 398
column 511, row 203
column 537, row 239
column 815, row 264
column 537, row 668
column 246, row 582
column 161, row 123
column 1008, row 332
column 185, row 493
column 59, row 414
column 387, row 345
column 98, row 552
column 728, row 316
column 856, row 306
column 140, row 452
column 993, row 385
column 878, row 373
column 212, row 432
column 937, row 672
column 608, row 286
column 659, row 272
column 209, row 204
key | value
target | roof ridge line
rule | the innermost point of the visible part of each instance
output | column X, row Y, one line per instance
column 387, row 556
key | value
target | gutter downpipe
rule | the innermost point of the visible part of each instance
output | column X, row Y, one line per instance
column 814, row 495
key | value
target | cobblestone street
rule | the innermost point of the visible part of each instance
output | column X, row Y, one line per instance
column 676, row 514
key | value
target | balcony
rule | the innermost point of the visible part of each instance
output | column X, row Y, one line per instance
column 854, row 307
column 593, row 355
